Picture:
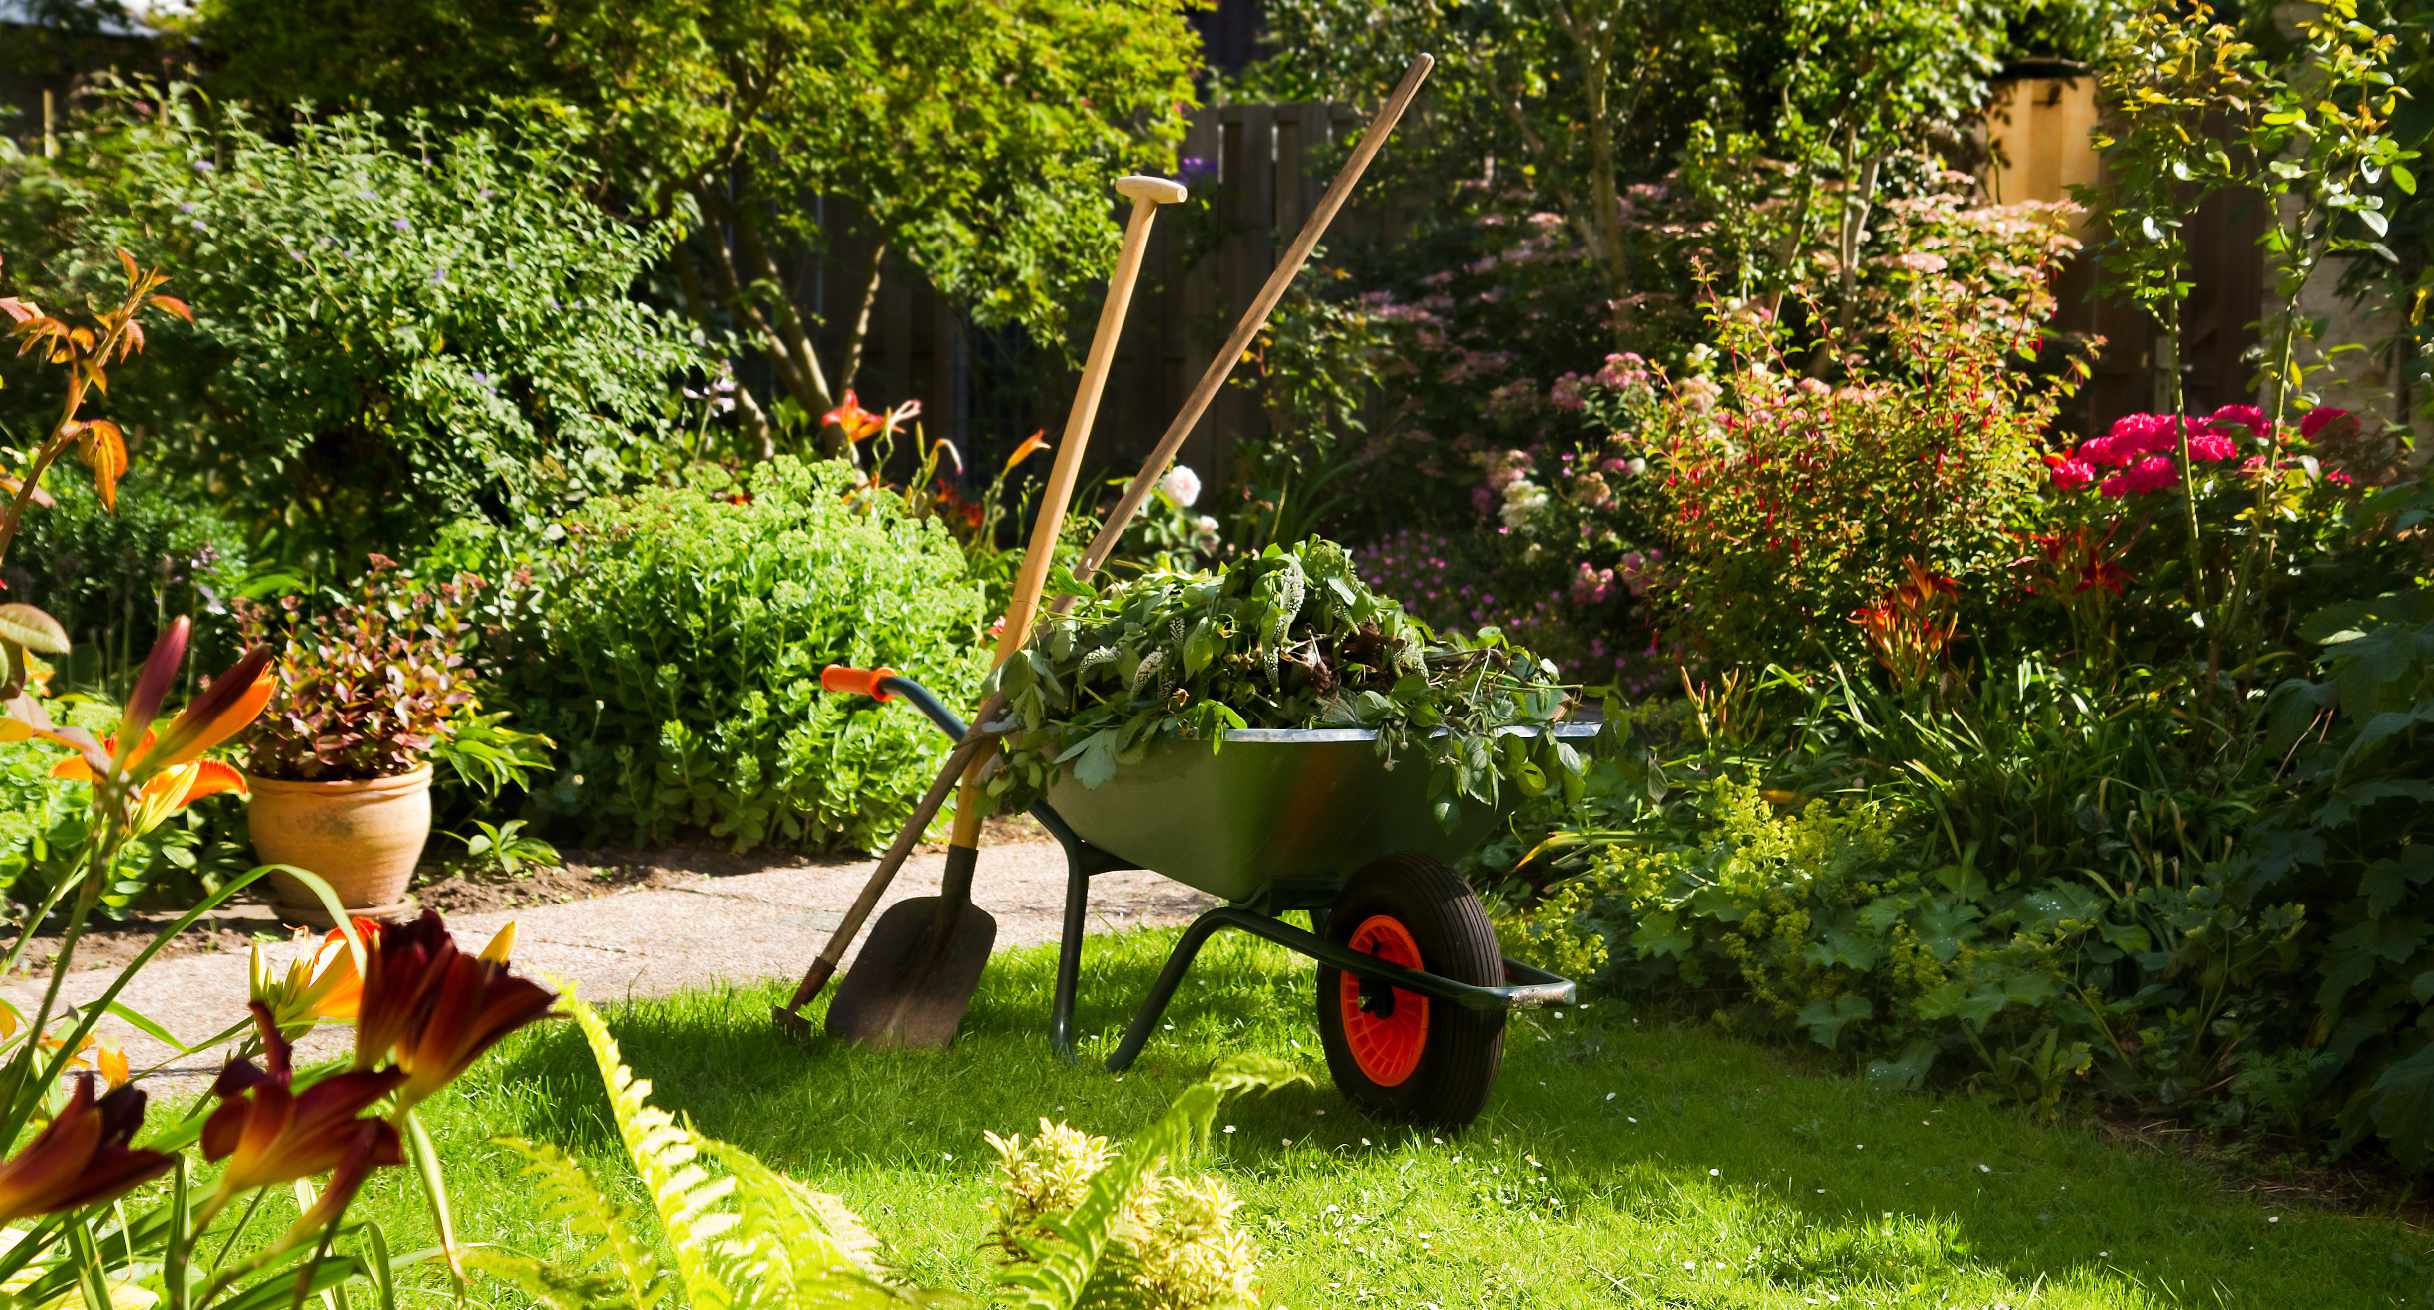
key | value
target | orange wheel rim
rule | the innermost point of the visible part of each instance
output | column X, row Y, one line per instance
column 1387, row 1033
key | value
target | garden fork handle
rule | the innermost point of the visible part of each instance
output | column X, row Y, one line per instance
column 1255, row 316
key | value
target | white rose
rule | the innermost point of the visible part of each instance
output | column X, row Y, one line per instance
column 1181, row 485
column 1521, row 500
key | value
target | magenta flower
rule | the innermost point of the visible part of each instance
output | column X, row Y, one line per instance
column 2212, row 447
column 2070, row 472
column 2154, row 473
column 2247, row 416
column 2320, row 418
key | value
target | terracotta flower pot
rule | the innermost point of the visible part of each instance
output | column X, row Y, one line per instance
column 361, row 837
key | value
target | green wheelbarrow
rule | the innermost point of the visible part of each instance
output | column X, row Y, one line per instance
column 1413, row 989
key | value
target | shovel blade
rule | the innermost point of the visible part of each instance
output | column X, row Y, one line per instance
column 914, row 978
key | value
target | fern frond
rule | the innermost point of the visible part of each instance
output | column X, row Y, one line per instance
column 554, row 1287
column 696, row 1210
column 813, row 1249
column 1064, row 1260
column 610, row 1234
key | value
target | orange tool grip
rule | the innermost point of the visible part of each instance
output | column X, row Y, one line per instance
column 865, row 682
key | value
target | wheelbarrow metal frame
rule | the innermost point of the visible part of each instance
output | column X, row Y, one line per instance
column 1528, row 988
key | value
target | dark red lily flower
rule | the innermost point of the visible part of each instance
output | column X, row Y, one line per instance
column 81, row 1157
column 270, row 1134
column 434, row 1008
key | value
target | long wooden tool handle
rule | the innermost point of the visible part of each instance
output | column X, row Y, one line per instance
column 1146, row 193
column 1256, row 316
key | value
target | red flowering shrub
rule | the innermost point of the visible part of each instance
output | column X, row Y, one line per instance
column 1793, row 504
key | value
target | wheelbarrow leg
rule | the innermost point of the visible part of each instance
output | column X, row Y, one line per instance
column 1163, row 991
column 1069, row 959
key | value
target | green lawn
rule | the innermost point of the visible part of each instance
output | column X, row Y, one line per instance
column 1619, row 1165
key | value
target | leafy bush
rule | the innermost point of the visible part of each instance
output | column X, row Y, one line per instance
column 116, row 578
column 671, row 643
column 2007, row 889
column 2353, row 845
column 1793, row 505
column 1288, row 638
column 367, row 689
column 386, row 332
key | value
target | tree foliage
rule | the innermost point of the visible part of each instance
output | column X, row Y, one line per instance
column 974, row 146
column 393, row 326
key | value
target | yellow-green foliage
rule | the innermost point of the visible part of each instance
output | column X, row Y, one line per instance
column 1176, row 1246
column 1767, row 891
column 1799, row 905
column 1041, row 1175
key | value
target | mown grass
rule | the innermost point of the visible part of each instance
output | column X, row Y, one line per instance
column 1620, row 1165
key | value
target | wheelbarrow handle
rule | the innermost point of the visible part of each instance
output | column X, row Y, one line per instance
column 886, row 684
column 846, row 680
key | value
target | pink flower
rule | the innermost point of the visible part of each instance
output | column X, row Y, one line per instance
column 1591, row 586
column 2247, row 416
column 2319, row 418
column 2154, row 473
column 1623, row 370
column 2070, row 472
column 2212, row 447
column 2145, row 434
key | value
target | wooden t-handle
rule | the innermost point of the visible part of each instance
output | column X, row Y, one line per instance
column 1146, row 194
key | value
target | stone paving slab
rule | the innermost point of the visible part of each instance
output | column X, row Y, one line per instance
column 740, row 928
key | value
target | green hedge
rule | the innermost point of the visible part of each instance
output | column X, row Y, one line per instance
column 671, row 642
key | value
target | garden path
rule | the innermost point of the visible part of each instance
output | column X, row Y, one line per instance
column 741, row 927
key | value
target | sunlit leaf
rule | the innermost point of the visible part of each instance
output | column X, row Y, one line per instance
column 33, row 629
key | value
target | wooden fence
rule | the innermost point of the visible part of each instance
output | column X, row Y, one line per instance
column 1256, row 166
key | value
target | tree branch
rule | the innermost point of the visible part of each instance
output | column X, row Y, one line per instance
column 861, row 328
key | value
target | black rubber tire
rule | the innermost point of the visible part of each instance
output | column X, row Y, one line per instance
column 1464, row 1048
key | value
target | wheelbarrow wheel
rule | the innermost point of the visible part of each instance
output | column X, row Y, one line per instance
column 1396, row 1053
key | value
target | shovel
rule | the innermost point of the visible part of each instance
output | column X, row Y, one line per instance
column 915, row 976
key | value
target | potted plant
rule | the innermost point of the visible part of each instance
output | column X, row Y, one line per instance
column 339, row 764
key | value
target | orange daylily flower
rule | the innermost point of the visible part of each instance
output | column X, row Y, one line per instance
column 859, row 424
column 324, row 984
column 82, row 1156
column 91, row 1056
column 1032, row 445
column 849, row 417
column 167, row 766
column 434, row 1008
column 271, row 1134
column 166, row 792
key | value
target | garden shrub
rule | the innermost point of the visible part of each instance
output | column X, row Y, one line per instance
column 2353, row 845
column 1485, row 415
column 1793, row 505
column 670, row 642
column 392, row 326
column 115, row 578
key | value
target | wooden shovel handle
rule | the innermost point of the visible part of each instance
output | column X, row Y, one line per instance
column 1146, row 193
